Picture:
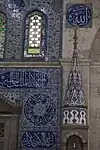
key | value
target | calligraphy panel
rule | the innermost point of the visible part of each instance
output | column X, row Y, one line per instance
column 38, row 139
column 23, row 79
column 40, row 118
column 14, row 78
column 79, row 15
column 39, row 109
column 38, row 91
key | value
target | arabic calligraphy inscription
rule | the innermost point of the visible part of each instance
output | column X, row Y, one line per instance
column 39, row 109
column 38, row 139
column 79, row 15
column 23, row 79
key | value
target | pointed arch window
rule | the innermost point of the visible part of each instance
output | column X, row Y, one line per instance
column 2, row 33
column 35, row 35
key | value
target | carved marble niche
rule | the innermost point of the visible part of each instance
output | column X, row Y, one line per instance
column 74, row 142
column 9, row 118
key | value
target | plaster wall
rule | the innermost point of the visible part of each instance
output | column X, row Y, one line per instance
column 86, row 36
column 89, row 54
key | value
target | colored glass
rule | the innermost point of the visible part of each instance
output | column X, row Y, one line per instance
column 34, row 35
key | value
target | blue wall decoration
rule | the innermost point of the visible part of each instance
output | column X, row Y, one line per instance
column 79, row 15
column 17, row 11
column 40, row 109
column 40, row 102
column 16, row 3
column 41, row 113
column 38, row 139
column 23, row 79
column 38, row 92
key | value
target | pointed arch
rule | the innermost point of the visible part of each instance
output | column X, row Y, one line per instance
column 35, row 35
column 94, row 54
column 77, row 134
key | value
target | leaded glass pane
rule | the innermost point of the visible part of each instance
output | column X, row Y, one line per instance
column 2, row 33
column 34, row 35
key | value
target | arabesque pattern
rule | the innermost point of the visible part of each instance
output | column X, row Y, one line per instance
column 40, row 117
column 16, row 12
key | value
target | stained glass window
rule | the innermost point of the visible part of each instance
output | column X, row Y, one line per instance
column 2, row 33
column 35, row 33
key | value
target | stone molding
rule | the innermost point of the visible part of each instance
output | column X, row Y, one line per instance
column 83, row 62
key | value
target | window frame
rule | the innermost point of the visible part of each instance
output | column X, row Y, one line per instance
column 44, row 48
column 5, row 35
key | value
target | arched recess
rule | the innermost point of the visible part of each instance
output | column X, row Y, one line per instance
column 77, row 134
column 76, row 140
column 95, row 48
column 74, row 143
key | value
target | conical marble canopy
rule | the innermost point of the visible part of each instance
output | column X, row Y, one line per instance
column 74, row 110
column 74, row 95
